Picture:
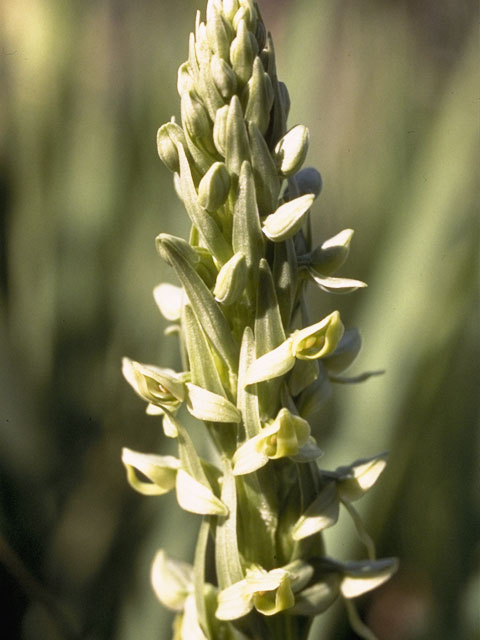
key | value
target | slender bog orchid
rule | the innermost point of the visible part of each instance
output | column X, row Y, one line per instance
column 256, row 368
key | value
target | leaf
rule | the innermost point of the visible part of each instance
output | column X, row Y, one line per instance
column 227, row 557
column 202, row 363
column 201, row 219
column 203, row 303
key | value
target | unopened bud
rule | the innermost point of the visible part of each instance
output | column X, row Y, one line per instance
column 287, row 219
column 214, row 187
column 220, row 130
column 168, row 136
column 260, row 97
column 237, row 149
column 242, row 53
column 195, row 118
column 291, row 150
column 219, row 32
column 223, row 76
column 231, row 280
column 332, row 254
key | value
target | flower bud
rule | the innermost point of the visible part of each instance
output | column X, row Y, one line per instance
column 168, row 136
column 230, row 8
column 237, row 148
column 220, row 130
column 242, row 53
column 219, row 32
column 214, row 187
column 291, row 150
column 231, row 280
column 223, row 76
column 332, row 254
column 195, row 118
column 287, row 219
column 259, row 93
column 185, row 81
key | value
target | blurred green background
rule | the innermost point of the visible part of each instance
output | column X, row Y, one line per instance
column 389, row 92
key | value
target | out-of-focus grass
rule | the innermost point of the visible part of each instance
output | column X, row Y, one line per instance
column 387, row 90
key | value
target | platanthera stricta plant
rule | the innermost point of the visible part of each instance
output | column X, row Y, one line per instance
column 256, row 366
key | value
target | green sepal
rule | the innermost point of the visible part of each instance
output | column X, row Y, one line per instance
column 227, row 558
column 237, row 149
column 321, row 513
column 361, row 577
column 203, row 303
column 242, row 53
column 203, row 367
column 258, row 95
column 291, row 151
column 347, row 350
column 312, row 398
column 205, row 405
column 307, row 180
column 288, row 218
column 303, row 374
column 247, row 236
column 160, row 470
column 267, row 183
column 203, row 221
column 231, row 280
column 318, row 597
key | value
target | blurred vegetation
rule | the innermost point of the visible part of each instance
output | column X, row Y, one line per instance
column 389, row 92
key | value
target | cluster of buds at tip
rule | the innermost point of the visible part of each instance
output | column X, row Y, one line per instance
column 256, row 369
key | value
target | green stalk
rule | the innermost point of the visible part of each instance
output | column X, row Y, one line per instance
column 257, row 368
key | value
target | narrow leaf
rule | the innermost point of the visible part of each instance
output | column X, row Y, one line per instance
column 201, row 219
column 227, row 558
column 203, row 303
